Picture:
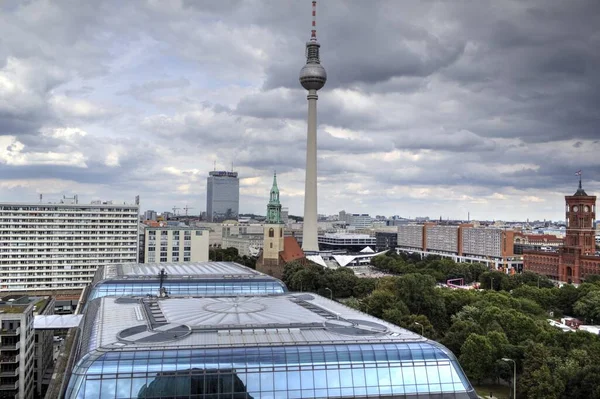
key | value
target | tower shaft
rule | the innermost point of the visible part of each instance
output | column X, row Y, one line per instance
column 309, row 229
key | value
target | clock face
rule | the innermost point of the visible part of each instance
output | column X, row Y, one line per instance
column 575, row 208
column 586, row 208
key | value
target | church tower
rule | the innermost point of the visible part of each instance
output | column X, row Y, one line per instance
column 580, row 237
column 273, row 242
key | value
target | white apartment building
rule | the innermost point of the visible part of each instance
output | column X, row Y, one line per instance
column 410, row 236
column 175, row 244
column 59, row 246
column 441, row 239
column 483, row 242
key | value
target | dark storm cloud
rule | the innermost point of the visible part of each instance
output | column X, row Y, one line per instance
column 487, row 94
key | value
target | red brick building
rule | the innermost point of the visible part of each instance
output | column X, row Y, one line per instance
column 575, row 259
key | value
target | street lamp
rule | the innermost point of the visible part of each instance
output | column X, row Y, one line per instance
column 515, row 376
column 330, row 293
column 422, row 329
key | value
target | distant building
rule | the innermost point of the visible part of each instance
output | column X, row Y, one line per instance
column 285, row 215
column 175, row 244
column 359, row 220
column 246, row 238
column 222, row 196
column 537, row 242
column 150, row 215
column 59, row 246
column 347, row 241
column 386, row 240
column 277, row 250
column 577, row 258
column 462, row 243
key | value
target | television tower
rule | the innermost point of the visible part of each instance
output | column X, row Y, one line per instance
column 312, row 78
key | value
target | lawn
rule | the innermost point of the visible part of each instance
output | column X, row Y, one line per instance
column 499, row 391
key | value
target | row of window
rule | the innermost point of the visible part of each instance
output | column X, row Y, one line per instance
column 273, row 372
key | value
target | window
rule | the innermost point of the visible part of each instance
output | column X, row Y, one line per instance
column 271, row 232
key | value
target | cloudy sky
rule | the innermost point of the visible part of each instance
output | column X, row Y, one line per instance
column 431, row 108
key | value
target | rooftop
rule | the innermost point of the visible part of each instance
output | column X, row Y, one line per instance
column 167, row 227
column 150, row 271
column 291, row 319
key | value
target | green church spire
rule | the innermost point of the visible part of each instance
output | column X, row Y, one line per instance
column 274, row 206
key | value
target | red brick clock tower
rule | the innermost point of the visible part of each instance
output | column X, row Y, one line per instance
column 580, row 238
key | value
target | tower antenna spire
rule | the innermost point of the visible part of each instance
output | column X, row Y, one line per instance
column 313, row 32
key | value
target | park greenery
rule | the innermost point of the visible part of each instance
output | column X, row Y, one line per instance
column 231, row 255
column 507, row 318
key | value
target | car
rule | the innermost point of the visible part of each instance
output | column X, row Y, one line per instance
column 58, row 339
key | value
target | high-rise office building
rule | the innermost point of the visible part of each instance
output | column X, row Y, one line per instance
column 222, row 195
column 59, row 246
column 150, row 215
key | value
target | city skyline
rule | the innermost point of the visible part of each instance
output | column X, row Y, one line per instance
column 430, row 109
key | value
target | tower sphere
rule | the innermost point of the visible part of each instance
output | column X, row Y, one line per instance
column 313, row 76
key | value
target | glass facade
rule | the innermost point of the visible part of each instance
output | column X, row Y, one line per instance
column 206, row 287
column 391, row 370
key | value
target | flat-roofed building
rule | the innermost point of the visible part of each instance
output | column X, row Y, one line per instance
column 197, row 278
column 442, row 239
column 175, row 244
column 47, row 247
column 287, row 346
column 19, row 351
column 349, row 241
column 410, row 236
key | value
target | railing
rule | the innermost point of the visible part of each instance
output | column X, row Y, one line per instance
column 10, row 387
column 9, row 347
column 10, row 373
column 9, row 359
column 6, row 331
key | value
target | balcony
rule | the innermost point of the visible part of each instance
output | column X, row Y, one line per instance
column 10, row 387
column 8, row 359
column 9, row 347
column 10, row 373
column 7, row 332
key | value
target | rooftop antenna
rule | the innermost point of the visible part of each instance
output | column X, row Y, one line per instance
column 41, row 196
column 215, row 166
column 313, row 32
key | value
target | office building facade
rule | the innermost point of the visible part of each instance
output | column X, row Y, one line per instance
column 59, row 246
column 175, row 244
column 222, row 196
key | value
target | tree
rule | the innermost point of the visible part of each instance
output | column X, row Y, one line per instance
column 588, row 307
column 456, row 336
column 477, row 357
column 546, row 386
column 381, row 300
